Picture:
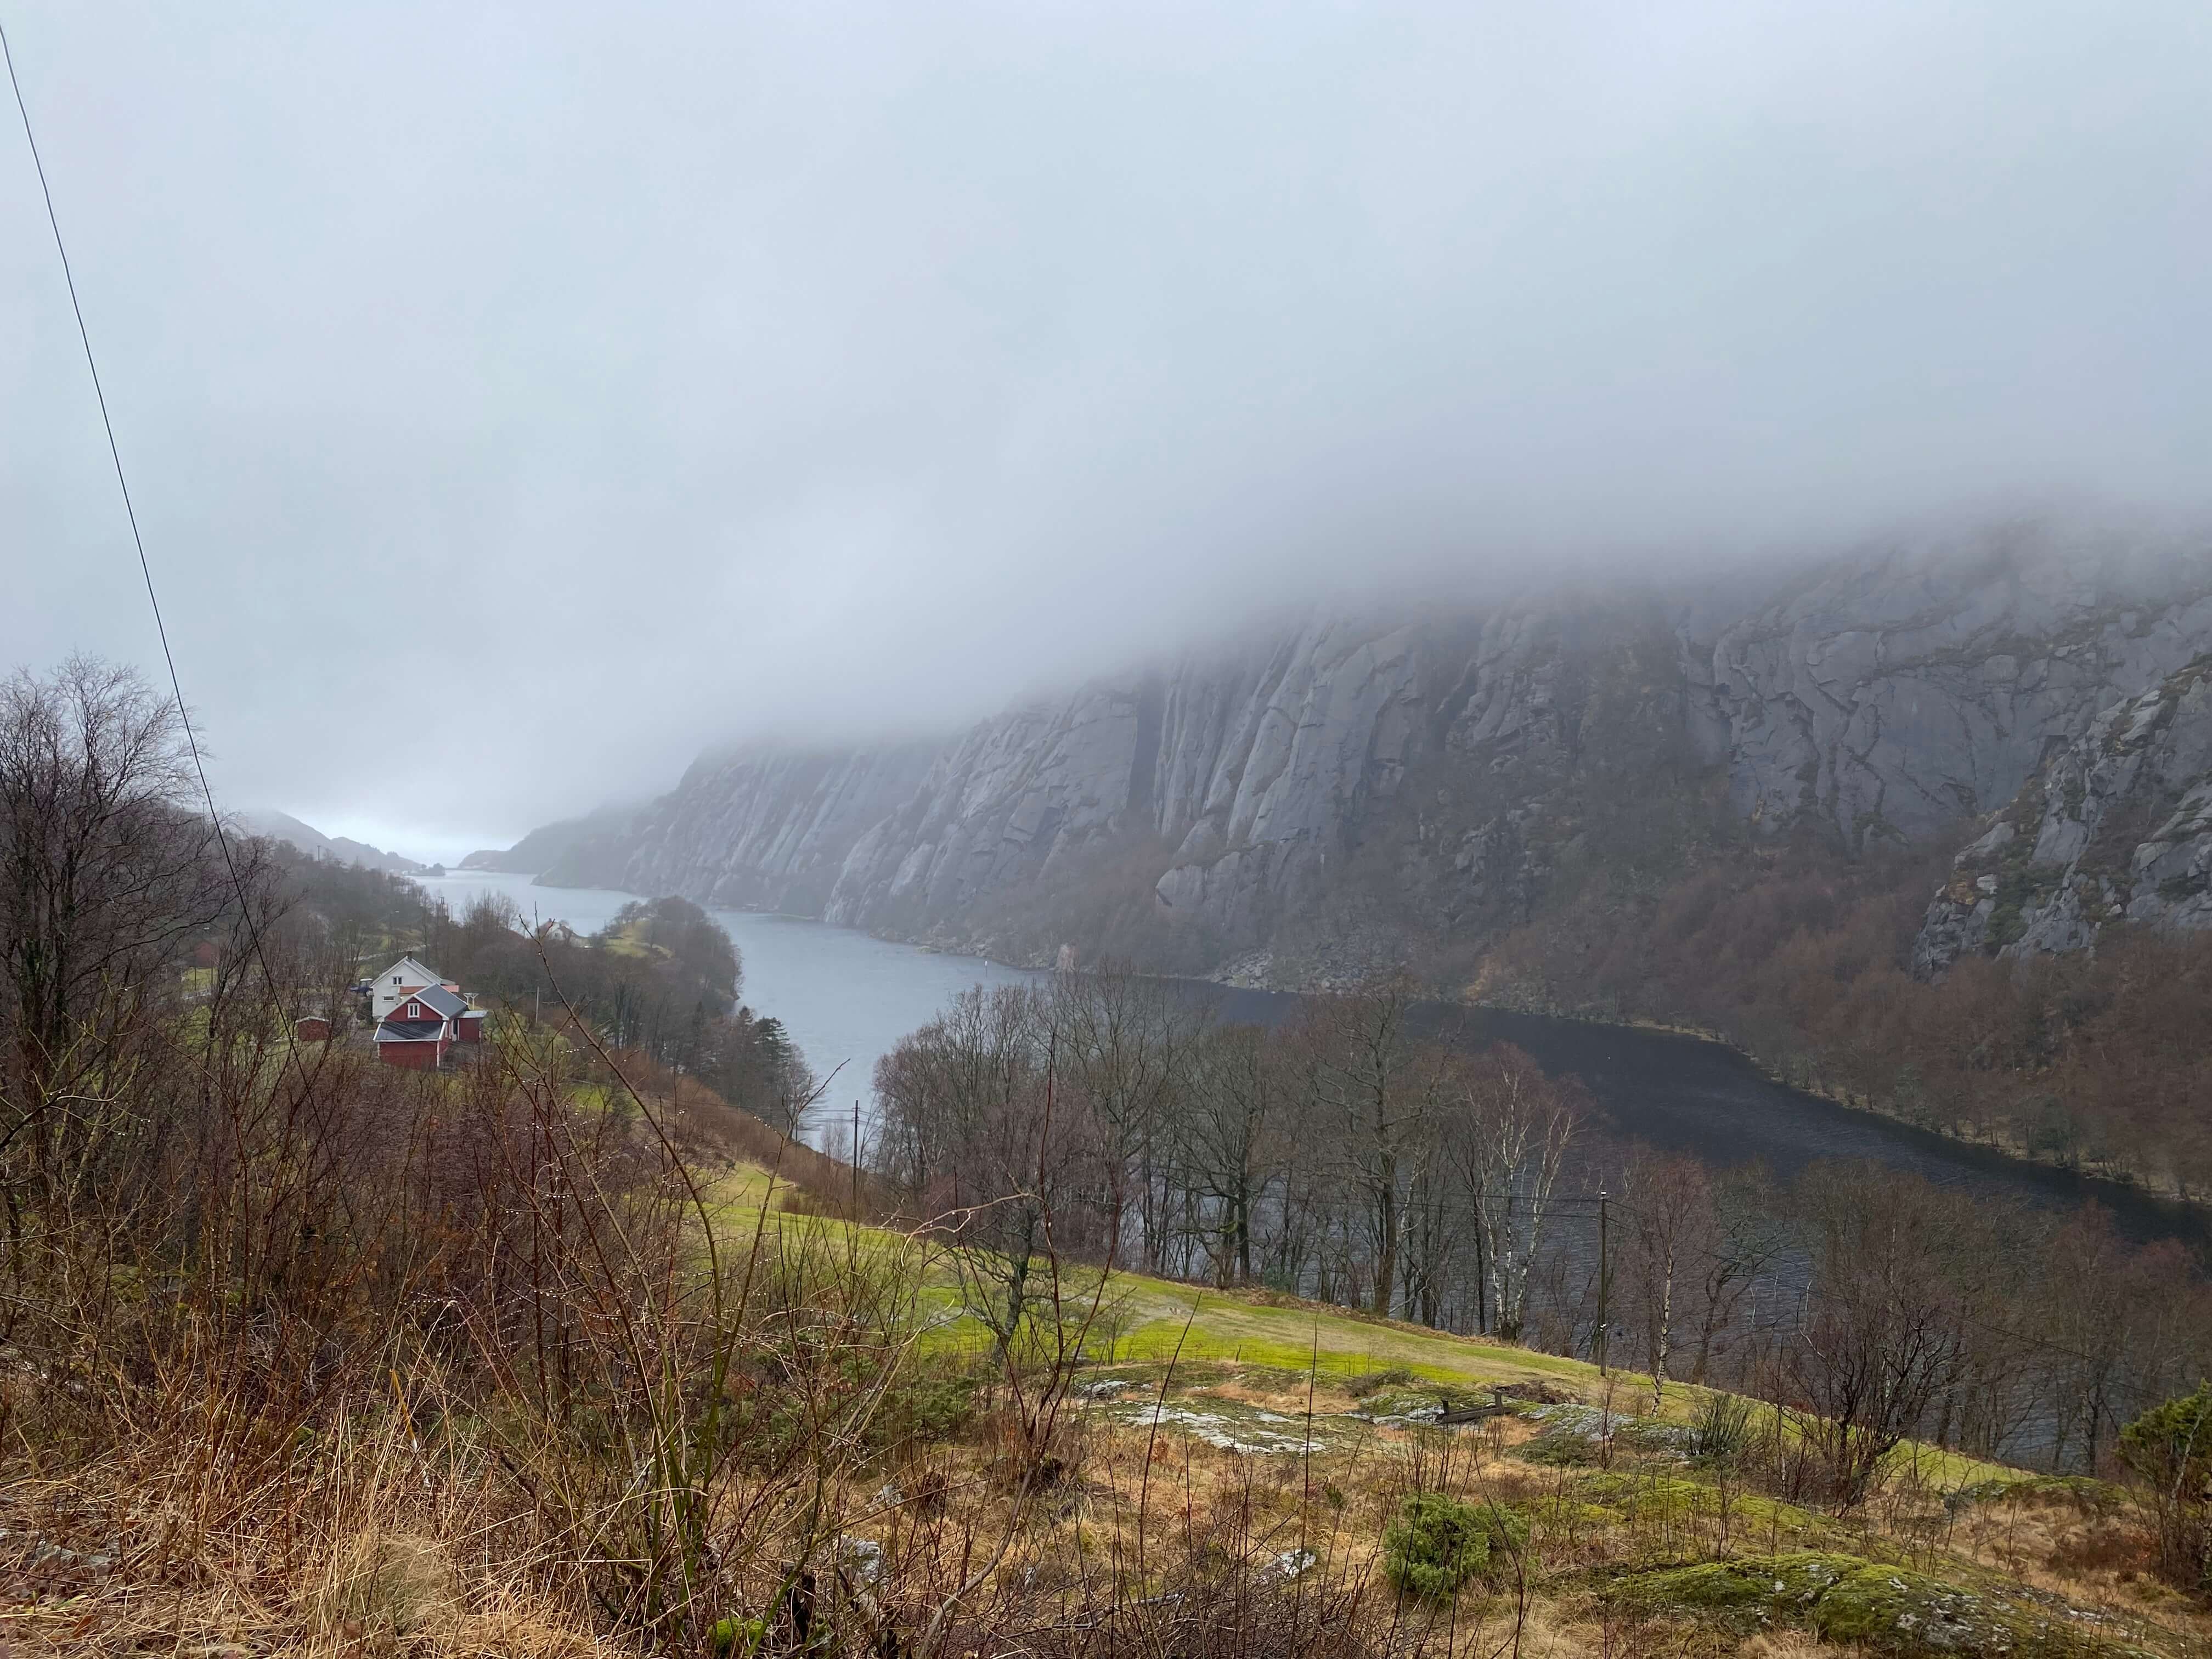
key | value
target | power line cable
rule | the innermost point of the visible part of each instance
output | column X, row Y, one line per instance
column 131, row 512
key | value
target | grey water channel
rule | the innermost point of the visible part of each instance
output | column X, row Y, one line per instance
column 846, row 997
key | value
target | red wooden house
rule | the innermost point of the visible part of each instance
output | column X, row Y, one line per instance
column 420, row 1029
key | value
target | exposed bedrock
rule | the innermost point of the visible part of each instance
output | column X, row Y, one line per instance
column 1440, row 770
column 2114, row 827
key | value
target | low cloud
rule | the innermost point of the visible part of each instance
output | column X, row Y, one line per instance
column 518, row 401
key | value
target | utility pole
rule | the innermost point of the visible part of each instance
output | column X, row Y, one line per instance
column 856, row 1158
column 1481, row 1275
column 1604, row 1282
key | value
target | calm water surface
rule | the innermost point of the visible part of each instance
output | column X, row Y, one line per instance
column 846, row 997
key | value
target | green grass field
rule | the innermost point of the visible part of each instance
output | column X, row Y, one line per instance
column 1147, row 1323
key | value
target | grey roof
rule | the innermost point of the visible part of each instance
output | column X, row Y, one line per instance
column 438, row 1000
column 410, row 1031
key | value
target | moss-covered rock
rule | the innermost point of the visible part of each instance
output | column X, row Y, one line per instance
column 1893, row 1611
column 1557, row 1448
column 1766, row 1588
column 1650, row 1497
column 2081, row 1492
column 1843, row 1598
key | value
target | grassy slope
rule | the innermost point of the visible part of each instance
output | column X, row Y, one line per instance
column 1148, row 1320
column 1646, row 1551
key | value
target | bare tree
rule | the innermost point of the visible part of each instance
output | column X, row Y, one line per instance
column 107, row 876
column 1378, row 1086
column 1124, row 1039
column 1509, row 1134
column 1884, row 1338
column 1747, row 1237
column 1667, row 1232
column 1235, row 1085
column 1298, row 1227
column 971, row 1128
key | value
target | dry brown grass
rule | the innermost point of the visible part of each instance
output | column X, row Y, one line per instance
column 366, row 1549
column 2096, row 1548
column 368, row 1545
column 478, row 1370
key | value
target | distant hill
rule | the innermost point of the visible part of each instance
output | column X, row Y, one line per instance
column 282, row 826
column 570, row 846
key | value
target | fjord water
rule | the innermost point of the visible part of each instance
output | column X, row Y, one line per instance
column 846, row 997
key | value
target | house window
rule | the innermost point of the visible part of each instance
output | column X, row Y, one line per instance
column 414, row 1010
column 395, row 979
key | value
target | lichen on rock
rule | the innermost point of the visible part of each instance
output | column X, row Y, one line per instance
column 1889, row 1610
column 2114, row 827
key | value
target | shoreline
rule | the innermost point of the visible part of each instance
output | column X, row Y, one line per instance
column 1252, row 973
column 1844, row 1100
column 2127, row 1181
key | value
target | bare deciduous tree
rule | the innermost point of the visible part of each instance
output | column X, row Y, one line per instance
column 970, row 1126
column 1510, row 1137
column 1884, row 1338
column 1666, row 1213
column 1377, row 1085
column 1123, row 1043
column 1236, row 1084
column 107, row 876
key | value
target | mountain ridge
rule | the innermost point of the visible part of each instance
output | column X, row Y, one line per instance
column 274, row 825
column 1436, row 777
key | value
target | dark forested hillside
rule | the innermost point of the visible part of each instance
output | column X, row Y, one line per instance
column 1805, row 959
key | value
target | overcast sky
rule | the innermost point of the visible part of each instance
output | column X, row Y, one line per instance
column 517, row 399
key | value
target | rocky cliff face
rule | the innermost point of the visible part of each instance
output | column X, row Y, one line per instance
column 579, row 848
column 1214, row 794
column 1440, row 775
column 1891, row 698
column 2117, row 825
column 757, row 829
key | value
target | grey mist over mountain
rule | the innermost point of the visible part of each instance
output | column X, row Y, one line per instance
column 1433, row 782
column 517, row 404
column 273, row 825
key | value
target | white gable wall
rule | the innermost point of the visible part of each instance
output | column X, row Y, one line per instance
column 389, row 988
